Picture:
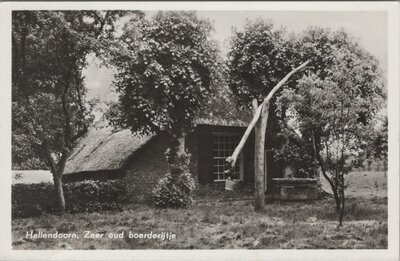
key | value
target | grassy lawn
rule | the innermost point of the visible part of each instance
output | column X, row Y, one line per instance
column 223, row 223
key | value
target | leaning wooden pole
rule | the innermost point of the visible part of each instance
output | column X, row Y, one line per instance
column 262, row 110
column 231, row 161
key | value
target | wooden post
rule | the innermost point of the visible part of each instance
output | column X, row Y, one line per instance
column 264, row 163
column 259, row 155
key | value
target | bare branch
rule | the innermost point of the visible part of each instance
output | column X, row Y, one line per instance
column 282, row 82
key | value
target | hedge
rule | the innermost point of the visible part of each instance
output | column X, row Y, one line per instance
column 85, row 196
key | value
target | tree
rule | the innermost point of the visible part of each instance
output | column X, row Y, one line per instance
column 260, row 57
column 167, row 69
column 334, row 103
column 49, row 50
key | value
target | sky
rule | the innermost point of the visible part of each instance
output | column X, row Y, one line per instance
column 369, row 28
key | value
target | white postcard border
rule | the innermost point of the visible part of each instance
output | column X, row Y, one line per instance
column 392, row 253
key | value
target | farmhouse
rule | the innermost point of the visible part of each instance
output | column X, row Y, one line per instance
column 108, row 154
column 105, row 153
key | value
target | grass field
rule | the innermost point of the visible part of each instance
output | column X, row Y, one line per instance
column 210, row 224
column 367, row 184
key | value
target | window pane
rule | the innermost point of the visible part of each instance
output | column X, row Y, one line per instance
column 223, row 147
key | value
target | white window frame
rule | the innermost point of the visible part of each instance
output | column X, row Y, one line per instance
column 240, row 158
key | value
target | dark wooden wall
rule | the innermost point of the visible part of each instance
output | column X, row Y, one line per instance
column 205, row 157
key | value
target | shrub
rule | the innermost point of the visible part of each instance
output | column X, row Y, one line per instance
column 32, row 199
column 174, row 191
column 97, row 195
column 86, row 196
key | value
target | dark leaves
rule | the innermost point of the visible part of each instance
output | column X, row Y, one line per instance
column 167, row 70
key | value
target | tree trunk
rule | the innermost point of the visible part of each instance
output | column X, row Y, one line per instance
column 176, row 152
column 181, row 148
column 315, row 168
column 342, row 205
column 59, row 192
column 57, row 173
column 337, row 201
column 321, row 165
column 259, row 156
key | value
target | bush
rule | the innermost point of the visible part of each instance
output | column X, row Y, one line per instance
column 174, row 192
column 86, row 196
column 97, row 195
column 32, row 199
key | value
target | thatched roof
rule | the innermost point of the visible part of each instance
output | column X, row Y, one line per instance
column 223, row 111
column 103, row 149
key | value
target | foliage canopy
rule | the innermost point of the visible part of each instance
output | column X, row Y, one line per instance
column 167, row 70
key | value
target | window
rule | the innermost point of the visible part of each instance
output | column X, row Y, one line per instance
column 223, row 146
